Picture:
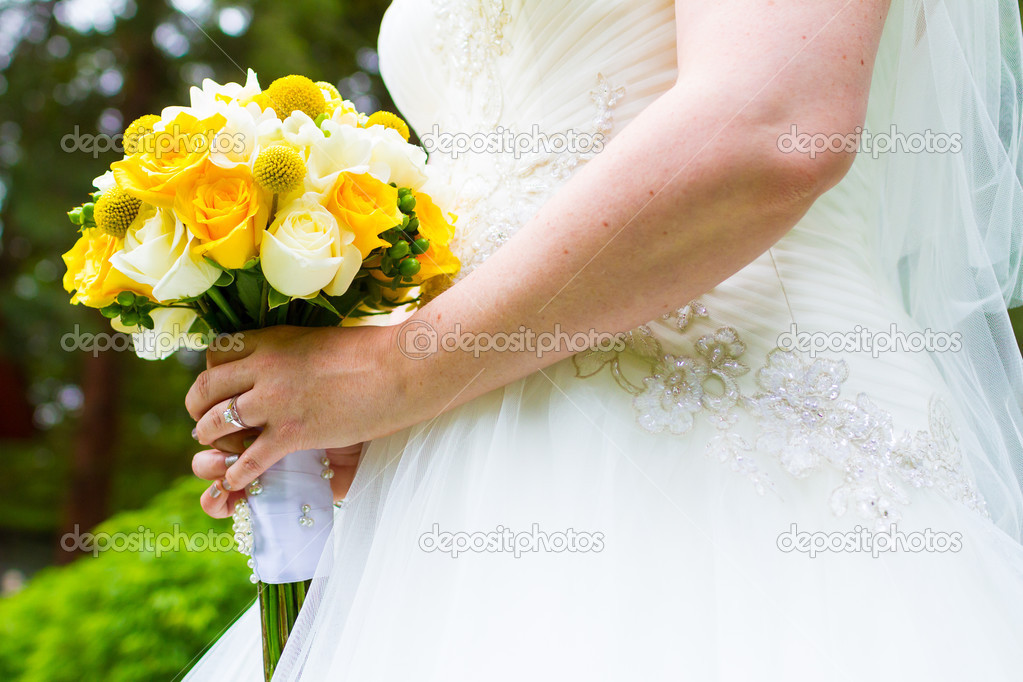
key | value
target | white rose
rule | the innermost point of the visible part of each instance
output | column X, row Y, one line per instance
column 305, row 250
column 240, row 139
column 169, row 333
column 105, row 181
column 346, row 115
column 156, row 253
column 392, row 159
column 331, row 149
column 213, row 97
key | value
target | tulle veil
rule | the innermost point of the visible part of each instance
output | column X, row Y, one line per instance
column 950, row 223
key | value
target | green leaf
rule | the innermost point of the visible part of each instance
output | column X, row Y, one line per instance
column 249, row 285
column 225, row 279
column 199, row 326
column 352, row 299
column 367, row 313
column 111, row 311
column 249, row 264
column 276, row 298
column 321, row 301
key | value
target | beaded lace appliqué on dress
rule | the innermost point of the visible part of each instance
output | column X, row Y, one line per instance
column 491, row 206
column 801, row 420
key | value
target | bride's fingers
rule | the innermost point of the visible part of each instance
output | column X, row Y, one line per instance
column 345, row 462
column 218, row 502
column 235, row 442
column 213, row 425
column 341, row 483
column 230, row 347
column 346, row 456
column 267, row 449
column 211, row 464
column 215, row 385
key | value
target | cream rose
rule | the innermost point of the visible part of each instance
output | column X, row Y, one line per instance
column 213, row 97
column 238, row 141
column 156, row 253
column 332, row 149
column 169, row 333
column 392, row 159
column 305, row 251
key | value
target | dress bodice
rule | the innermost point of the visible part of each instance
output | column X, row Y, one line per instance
column 478, row 73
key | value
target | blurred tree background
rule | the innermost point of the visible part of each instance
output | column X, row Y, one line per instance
column 87, row 440
column 84, row 437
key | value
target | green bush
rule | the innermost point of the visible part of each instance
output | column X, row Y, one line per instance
column 127, row 615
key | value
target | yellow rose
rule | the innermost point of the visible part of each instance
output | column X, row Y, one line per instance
column 167, row 158
column 90, row 275
column 365, row 206
column 438, row 259
column 226, row 212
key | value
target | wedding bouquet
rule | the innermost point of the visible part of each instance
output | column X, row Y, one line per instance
column 251, row 208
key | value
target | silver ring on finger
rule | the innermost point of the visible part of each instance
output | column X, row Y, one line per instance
column 232, row 417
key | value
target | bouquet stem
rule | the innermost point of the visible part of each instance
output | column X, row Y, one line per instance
column 278, row 609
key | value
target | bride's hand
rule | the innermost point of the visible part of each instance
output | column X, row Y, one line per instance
column 297, row 388
column 212, row 465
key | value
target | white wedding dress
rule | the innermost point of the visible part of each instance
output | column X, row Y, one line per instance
column 693, row 453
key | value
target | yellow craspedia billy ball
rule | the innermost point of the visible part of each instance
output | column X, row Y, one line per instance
column 136, row 130
column 278, row 169
column 296, row 93
column 388, row 120
column 115, row 211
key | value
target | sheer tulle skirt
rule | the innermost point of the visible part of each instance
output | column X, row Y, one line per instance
column 688, row 580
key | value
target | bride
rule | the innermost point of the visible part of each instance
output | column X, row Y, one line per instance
column 803, row 459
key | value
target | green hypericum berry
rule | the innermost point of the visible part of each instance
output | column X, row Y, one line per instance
column 126, row 299
column 407, row 203
column 413, row 225
column 404, row 220
column 399, row 250
column 402, row 191
column 420, row 246
column 409, row 267
column 111, row 311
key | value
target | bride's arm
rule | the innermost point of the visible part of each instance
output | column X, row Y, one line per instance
column 690, row 192
column 693, row 190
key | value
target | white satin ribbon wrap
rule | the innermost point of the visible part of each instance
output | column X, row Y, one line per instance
column 284, row 550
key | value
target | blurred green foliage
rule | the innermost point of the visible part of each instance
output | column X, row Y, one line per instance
column 127, row 615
